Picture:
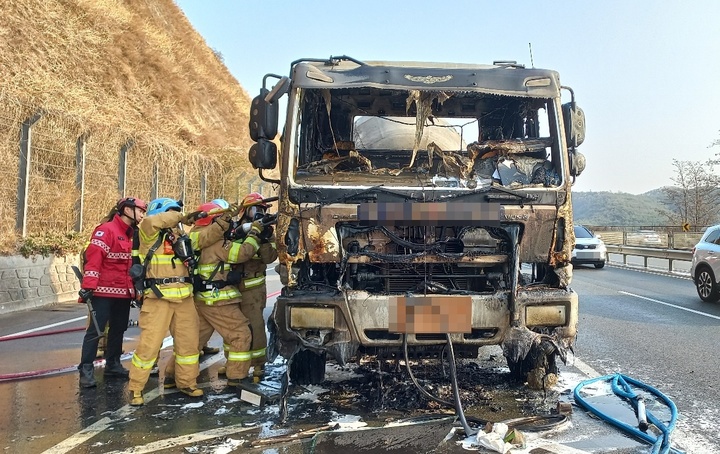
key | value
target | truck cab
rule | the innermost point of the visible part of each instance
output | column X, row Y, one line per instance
column 421, row 204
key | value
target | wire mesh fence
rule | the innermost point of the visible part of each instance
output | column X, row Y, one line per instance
column 57, row 178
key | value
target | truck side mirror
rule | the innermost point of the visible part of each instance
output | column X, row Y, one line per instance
column 577, row 164
column 574, row 119
column 263, row 117
column 263, row 154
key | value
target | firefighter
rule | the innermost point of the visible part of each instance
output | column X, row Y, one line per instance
column 106, row 282
column 217, row 299
column 166, row 255
column 253, row 288
column 206, row 349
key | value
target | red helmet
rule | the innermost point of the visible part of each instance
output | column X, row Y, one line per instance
column 207, row 207
column 131, row 202
column 253, row 199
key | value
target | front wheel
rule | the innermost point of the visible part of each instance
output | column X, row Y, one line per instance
column 600, row 265
column 307, row 367
column 706, row 287
column 539, row 368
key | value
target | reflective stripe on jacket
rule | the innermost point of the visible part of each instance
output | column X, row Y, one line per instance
column 229, row 253
column 108, row 257
column 254, row 270
column 162, row 264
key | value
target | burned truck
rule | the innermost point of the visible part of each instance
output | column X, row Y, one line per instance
column 420, row 204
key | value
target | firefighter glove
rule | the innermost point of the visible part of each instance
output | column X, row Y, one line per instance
column 233, row 209
column 256, row 227
column 84, row 295
column 266, row 233
column 191, row 218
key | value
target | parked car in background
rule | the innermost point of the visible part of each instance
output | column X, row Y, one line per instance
column 705, row 267
column 589, row 248
column 644, row 238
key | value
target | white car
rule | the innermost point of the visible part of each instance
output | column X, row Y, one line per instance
column 589, row 248
column 705, row 267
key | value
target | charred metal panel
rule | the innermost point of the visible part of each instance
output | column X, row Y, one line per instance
column 538, row 231
column 428, row 76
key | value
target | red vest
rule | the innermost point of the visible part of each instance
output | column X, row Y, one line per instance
column 107, row 260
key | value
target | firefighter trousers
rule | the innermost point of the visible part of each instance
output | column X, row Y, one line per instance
column 233, row 327
column 157, row 316
column 252, row 305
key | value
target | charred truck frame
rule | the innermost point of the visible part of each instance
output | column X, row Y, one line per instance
column 421, row 202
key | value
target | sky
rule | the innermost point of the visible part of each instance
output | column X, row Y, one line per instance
column 646, row 73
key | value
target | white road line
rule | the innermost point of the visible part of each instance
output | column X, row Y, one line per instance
column 584, row 367
column 670, row 305
column 87, row 433
column 46, row 327
column 185, row 439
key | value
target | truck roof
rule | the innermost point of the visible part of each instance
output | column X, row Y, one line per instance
column 502, row 78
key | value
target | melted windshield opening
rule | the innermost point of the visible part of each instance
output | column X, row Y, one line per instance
column 442, row 139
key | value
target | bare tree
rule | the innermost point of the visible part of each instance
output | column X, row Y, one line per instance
column 694, row 197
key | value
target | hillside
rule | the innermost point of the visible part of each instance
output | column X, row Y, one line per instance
column 619, row 208
column 137, row 65
column 112, row 74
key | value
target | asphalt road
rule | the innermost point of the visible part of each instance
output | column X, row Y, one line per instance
column 647, row 326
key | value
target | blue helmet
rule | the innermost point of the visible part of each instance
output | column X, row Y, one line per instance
column 162, row 205
column 222, row 203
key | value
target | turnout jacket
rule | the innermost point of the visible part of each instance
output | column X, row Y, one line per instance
column 254, row 270
column 108, row 257
column 216, row 261
column 163, row 264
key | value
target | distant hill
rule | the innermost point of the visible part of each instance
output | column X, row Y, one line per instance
column 619, row 208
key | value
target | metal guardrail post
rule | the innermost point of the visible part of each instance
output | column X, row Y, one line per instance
column 24, row 172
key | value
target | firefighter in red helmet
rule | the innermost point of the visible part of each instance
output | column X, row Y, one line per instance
column 253, row 288
column 107, row 260
column 217, row 298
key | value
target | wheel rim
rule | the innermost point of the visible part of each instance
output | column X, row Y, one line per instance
column 704, row 284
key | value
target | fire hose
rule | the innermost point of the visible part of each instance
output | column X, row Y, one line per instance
column 620, row 385
column 530, row 423
column 59, row 370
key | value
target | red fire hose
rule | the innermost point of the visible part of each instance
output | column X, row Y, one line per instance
column 58, row 370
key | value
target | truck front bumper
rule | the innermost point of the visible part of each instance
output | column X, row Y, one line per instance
column 342, row 324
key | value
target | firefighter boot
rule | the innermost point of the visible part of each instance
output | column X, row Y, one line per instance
column 258, row 373
column 114, row 368
column 169, row 382
column 87, row 376
column 192, row 392
column 208, row 350
column 136, row 398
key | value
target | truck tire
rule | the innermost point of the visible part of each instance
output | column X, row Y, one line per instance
column 307, row 368
column 538, row 369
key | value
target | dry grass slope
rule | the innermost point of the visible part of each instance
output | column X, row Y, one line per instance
column 114, row 70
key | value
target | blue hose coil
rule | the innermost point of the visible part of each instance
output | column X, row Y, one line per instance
column 620, row 385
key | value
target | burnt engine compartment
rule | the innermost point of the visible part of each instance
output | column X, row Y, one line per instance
column 416, row 259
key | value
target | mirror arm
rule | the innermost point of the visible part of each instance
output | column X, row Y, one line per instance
column 269, row 180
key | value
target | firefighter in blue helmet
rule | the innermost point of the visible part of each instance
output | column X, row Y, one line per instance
column 168, row 298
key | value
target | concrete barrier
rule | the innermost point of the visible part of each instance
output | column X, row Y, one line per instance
column 27, row 283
